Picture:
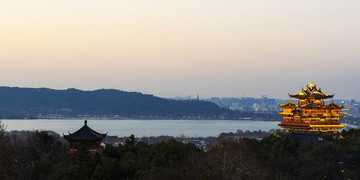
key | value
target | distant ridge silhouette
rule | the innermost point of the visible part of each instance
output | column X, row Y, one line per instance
column 18, row 102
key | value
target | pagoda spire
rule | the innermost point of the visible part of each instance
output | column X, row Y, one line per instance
column 311, row 84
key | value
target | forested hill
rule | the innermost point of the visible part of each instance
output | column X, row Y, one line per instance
column 73, row 102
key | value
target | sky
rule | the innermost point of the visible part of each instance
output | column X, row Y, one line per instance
column 168, row 48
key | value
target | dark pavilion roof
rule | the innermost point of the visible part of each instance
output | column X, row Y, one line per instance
column 311, row 92
column 85, row 133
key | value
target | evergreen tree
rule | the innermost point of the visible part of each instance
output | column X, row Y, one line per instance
column 82, row 162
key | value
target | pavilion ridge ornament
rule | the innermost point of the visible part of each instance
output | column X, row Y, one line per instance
column 311, row 114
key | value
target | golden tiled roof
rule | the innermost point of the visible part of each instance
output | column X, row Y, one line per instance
column 288, row 105
column 333, row 106
column 311, row 92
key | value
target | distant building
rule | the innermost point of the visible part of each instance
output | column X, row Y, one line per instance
column 93, row 138
column 311, row 114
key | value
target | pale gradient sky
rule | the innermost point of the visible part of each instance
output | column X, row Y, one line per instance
column 185, row 47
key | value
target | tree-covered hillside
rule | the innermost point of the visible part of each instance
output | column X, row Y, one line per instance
column 72, row 102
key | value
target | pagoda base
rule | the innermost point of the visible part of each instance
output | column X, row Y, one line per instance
column 307, row 127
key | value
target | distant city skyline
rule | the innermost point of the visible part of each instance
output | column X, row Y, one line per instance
column 179, row 48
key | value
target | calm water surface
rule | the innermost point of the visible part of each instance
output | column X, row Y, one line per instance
column 140, row 128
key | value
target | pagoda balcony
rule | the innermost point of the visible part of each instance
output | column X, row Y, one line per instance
column 325, row 123
column 283, row 114
column 302, row 124
column 327, row 127
column 334, row 115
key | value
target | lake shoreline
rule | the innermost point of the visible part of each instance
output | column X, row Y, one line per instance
column 193, row 128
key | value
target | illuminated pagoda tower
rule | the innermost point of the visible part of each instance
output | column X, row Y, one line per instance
column 311, row 114
column 92, row 137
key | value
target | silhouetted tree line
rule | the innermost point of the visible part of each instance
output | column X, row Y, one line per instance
column 277, row 156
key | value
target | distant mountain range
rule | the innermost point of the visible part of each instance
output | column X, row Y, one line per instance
column 18, row 102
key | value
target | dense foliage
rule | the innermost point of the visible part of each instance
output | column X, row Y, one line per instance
column 278, row 156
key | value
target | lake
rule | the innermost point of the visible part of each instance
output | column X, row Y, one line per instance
column 141, row 128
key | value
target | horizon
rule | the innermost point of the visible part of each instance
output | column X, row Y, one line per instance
column 180, row 48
